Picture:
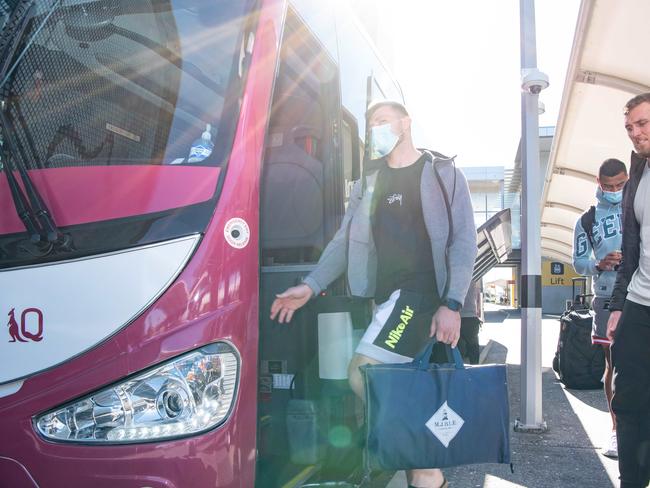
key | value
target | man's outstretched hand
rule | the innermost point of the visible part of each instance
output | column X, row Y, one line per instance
column 287, row 302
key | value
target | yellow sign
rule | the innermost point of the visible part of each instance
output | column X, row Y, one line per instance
column 555, row 273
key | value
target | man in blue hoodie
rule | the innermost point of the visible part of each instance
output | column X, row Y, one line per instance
column 395, row 244
column 597, row 253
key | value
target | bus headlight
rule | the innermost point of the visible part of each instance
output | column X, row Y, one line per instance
column 184, row 396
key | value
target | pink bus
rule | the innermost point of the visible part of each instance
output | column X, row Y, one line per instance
column 167, row 167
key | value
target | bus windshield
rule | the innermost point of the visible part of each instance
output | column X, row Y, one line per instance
column 117, row 115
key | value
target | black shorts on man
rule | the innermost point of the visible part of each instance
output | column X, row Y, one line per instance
column 400, row 327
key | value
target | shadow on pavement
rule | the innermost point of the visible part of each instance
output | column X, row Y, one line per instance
column 594, row 398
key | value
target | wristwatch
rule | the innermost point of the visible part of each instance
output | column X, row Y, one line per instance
column 452, row 304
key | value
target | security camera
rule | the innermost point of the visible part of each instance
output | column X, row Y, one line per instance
column 533, row 80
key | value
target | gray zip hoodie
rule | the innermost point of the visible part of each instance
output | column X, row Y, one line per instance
column 607, row 237
column 361, row 253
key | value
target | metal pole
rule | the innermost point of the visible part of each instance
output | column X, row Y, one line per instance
column 531, row 280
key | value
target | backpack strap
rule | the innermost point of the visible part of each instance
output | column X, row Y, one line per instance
column 587, row 221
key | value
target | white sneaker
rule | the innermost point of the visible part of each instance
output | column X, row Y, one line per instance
column 612, row 448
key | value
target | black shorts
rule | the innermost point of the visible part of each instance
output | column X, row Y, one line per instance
column 400, row 327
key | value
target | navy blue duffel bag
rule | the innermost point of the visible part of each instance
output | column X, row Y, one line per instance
column 422, row 415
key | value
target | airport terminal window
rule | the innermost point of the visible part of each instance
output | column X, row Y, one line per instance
column 486, row 203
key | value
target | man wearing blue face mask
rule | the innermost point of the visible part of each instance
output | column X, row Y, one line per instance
column 395, row 243
column 596, row 252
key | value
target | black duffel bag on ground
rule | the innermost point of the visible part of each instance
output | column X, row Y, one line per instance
column 579, row 363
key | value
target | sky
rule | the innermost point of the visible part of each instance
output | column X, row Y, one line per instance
column 459, row 67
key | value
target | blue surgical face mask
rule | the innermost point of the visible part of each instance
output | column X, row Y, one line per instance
column 613, row 197
column 382, row 141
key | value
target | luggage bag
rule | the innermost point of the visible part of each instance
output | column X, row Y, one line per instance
column 578, row 363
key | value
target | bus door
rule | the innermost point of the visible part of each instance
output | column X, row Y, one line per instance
column 307, row 425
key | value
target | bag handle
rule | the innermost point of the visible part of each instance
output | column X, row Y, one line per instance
column 453, row 356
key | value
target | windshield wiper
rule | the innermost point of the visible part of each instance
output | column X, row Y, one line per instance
column 35, row 215
column 22, row 207
column 38, row 207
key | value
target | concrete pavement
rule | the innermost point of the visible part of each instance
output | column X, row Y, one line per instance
column 568, row 454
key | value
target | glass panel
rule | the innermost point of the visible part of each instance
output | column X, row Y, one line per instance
column 121, row 114
column 104, row 83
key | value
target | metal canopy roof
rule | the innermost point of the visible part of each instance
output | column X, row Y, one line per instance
column 608, row 66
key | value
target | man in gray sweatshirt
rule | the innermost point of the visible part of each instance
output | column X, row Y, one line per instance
column 407, row 239
column 597, row 253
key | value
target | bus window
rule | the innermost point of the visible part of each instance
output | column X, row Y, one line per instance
column 357, row 66
column 351, row 151
column 105, row 101
column 299, row 154
column 385, row 86
column 377, row 92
